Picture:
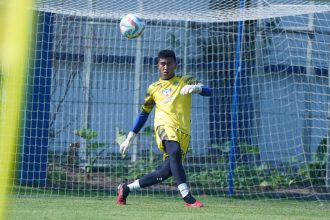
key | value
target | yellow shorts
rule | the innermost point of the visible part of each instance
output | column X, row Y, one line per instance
column 167, row 133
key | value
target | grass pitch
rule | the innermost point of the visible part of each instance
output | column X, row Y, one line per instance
column 145, row 208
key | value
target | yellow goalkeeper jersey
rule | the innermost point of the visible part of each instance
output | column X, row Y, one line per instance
column 172, row 109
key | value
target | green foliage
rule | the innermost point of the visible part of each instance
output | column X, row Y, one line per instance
column 315, row 171
column 272, row 175
column 85, row 133
column 93, row 154
column 120, row 136
column 215, row 177
column 95, row 145
column 225, row 147
column 58, row 177
column 247, row 152
column 248, row 175
column 139, row 168
column 321, row 152
column 248, row 149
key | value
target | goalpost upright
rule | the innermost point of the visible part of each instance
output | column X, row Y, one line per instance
column 16, row 18
column 234, row 127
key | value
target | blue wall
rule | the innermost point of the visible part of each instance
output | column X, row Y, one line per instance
column 34, row 154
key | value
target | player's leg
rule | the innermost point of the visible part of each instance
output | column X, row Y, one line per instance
column 161, row 174
column 174, row 152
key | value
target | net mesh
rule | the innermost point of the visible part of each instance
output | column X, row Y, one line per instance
column 206, row 11
column 87, row 83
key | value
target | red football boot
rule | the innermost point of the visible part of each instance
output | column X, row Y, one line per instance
column 196, row 204
column 123, row 192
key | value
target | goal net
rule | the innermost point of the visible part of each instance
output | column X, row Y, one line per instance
column 264, row 132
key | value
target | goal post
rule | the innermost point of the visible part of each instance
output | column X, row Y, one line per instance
column 261, row 134
column 14, row 43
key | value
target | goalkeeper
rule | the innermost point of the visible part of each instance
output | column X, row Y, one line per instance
column 171, row 95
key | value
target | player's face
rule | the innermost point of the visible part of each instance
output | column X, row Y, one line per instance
column 166, row 67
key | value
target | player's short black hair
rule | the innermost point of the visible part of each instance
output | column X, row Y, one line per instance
column 167, row 54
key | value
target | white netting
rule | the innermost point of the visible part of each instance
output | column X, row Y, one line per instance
column 202, row 11
column 86, row 75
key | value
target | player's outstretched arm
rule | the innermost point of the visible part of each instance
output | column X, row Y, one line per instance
column 139, row 122
column 199, row 89
column 206, row 91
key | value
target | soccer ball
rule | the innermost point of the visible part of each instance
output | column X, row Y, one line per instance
column 131, row 26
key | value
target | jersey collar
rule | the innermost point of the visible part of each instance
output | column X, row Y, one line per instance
column 168, row 80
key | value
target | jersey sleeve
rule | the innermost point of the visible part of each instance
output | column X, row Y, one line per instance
column 140, row 121
column 149, row 101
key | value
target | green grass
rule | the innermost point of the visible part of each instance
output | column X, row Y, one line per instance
column 139, row 207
